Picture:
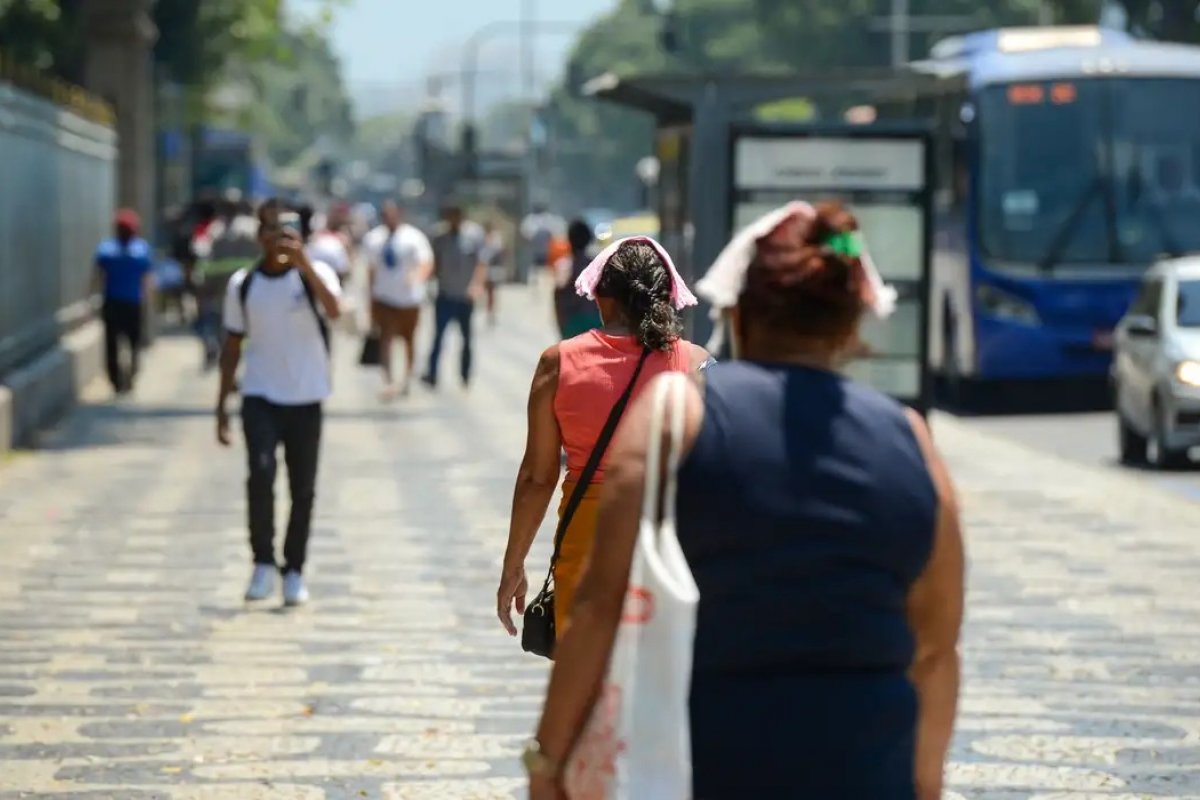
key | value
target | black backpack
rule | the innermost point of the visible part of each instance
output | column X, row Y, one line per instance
column 244, row 292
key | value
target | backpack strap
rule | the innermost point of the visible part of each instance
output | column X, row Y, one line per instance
column 309, row 294
column 322, row 325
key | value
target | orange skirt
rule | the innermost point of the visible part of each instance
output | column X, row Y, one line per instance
column 576, row 548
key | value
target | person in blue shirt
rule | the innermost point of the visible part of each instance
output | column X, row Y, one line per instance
column 124, row 271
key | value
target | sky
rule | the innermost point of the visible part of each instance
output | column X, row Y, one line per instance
column 389, row 48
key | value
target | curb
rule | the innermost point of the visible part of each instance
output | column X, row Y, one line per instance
column 39, row 394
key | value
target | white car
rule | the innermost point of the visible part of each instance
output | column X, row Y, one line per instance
column 1156, row 367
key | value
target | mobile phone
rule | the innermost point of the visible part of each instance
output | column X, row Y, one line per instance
column 290, row 221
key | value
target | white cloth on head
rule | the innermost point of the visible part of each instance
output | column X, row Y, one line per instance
column 722, row 285
column 589, row 279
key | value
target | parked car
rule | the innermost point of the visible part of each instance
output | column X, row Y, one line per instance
column 1156, row 367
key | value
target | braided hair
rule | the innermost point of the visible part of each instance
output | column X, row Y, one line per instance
column 638, row 281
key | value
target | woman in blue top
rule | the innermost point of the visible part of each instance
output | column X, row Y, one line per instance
column 821, row 527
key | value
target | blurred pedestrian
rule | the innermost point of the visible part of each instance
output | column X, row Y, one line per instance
column 494, row 257
column 539, row 228
column 229, row 244
column 277, row 310
column 401, row 261
column 461, row 277
column 324, row 244
column 124, row 276
column 576, row 387
column 821, row 527
column 575, row 314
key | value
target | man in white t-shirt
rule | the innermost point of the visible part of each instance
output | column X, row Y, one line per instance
column 276, row 312
column 401, row 261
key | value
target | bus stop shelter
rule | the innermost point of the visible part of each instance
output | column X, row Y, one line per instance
column 698, row 120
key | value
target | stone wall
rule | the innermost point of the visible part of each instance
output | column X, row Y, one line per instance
column 56, row 204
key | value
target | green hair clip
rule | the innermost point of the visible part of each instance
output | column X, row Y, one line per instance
column 845, row 244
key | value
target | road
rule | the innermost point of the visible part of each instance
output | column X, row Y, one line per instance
column 1088, row 438
column 130, row 668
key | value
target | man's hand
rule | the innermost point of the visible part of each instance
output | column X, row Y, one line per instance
column 476, row 290
column 223, row 436
column 291, row 247
column 513, row 587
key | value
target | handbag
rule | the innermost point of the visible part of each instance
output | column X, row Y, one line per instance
column 370, row 356
column 538, row 635
column 636, row 744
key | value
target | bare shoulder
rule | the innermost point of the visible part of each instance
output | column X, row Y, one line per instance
column 697, row 354
column 545, row 377
column 937, row 467
column 550, row 359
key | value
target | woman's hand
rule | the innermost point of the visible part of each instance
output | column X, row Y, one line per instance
column 541, row 788
column 513, row 587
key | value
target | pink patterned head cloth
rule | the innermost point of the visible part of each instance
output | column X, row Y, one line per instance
column 681, row 296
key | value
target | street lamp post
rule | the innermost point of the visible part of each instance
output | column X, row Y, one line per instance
column 470, row 64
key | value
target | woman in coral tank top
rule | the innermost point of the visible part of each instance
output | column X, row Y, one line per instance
column 577, row 383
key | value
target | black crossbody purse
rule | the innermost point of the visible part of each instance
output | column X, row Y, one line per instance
column 538, row 635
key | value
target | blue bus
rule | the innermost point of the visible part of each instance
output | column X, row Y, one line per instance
column 1068, row 161
column 228, row 160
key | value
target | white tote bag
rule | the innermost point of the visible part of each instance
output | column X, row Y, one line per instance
column 637, row 743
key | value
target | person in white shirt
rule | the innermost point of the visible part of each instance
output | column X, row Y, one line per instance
column 401, row 262
column 275, row 313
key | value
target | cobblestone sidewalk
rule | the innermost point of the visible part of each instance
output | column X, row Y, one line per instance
column 130, row 668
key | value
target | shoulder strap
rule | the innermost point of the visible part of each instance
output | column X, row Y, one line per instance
column 593, row 462
column 312, row 303
column 244, row 292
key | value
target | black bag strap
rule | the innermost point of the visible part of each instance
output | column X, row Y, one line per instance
column 309, row 294
column 593, row 464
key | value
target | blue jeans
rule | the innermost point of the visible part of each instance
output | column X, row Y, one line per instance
column 447, row 310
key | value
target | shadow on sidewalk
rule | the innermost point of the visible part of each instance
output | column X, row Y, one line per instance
column 124, row 423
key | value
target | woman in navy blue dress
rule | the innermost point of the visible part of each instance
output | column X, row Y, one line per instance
column 822, row 530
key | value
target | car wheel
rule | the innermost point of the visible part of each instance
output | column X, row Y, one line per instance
column 1164, row 456
column 1131, row 444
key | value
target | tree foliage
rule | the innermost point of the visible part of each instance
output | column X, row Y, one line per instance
column 290, row 79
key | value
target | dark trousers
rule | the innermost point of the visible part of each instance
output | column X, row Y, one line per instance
column 447, row 310
column 122, row 322
column 298, row 428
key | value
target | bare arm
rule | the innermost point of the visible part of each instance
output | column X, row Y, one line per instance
column 935, row 613
column 478, row 280
column 583, row 653
column 536, row 481
column 97, row 285
column 231, row 355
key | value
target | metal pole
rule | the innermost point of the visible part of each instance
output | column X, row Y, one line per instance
column 899, row 33
column 528, row 25
column 470, row 69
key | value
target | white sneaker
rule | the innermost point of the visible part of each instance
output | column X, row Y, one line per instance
column 262, row 583
column 295, row 593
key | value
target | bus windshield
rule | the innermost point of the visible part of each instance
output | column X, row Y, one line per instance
column 1090, row 171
